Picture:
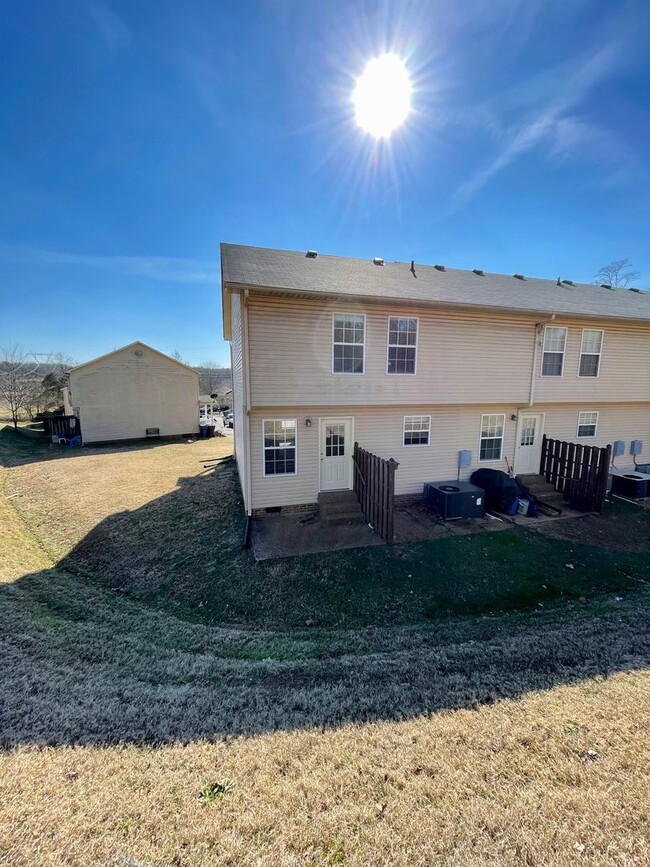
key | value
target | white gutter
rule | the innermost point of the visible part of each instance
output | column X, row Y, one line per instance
column 533, row 374
column 247, row 406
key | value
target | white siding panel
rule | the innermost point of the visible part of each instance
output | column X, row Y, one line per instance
column 121, row 395
column 624, row 373
column 237, row 364
column 380, row 431
column 459, row 359
column 620, row 422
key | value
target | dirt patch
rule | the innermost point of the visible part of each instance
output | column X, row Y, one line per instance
column 621, row 527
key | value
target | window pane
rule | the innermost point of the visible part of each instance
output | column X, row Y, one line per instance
column 592, row 340
column 491, row 449
column 334, row 440
column 416, row 430
column 348, row 342
column 587, row 423
column 401, row 359
column 552, row 364
column 528, row 432
column 491, row 437
column 492, row 425
column 279, row 447
column 402, row 341
column 589, row 365
column 554, row 339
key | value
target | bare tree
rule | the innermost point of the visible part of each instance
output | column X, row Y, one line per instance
column 618, row 273
column 47, row 388
column 211, row 376
column 178, row 357
column 18, row 373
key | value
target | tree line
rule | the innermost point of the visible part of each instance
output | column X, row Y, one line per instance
column 31, row 384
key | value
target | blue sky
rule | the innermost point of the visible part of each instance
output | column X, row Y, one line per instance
column 135, row 136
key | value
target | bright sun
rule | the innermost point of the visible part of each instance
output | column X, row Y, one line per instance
column 382, row 97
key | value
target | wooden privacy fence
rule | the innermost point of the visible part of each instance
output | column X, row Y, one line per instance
column 62, row 426
column 374, row 485
column 577, row 471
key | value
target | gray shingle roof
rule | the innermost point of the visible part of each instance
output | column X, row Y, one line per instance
column 335, row 275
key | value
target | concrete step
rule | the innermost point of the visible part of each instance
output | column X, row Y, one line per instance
column 339, row 508
column 532, row 479
column 331, row 497
column 342, row 518
column 540, row 489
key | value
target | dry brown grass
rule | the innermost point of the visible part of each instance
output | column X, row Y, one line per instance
column 556, row 778
column 66, row 495
column 552, row 776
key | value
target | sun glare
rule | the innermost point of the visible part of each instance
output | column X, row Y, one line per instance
column 382, row 96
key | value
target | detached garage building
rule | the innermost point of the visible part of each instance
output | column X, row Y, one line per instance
column 132, row 393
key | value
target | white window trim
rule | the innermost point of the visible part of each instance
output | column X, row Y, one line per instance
column 389, row 344
column 481, row 438
column 264, row 450
column 583, row 424
column 599, row 354
column 566, row 338
column 415, row 445
column 365, row 342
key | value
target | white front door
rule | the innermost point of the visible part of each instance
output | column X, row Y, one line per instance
column 336, row 453
column 528, row 450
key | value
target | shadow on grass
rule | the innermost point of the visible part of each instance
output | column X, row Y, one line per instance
column 159, row 628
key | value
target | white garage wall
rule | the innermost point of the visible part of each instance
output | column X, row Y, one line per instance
column 120, row 395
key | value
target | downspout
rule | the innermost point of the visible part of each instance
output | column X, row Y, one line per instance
column 247, row 406
column 533, row 374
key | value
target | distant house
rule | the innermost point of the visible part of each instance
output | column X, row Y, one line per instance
column 132, row 393
column 417, row 363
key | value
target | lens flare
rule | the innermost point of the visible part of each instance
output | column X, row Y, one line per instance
column 382, row 96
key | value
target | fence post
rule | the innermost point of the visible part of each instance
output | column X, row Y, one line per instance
column 392, row 466
column 605, row 459
column 542, row 462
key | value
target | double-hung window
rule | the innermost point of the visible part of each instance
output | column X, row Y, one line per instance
column 348, row 342
column 553, row 355
column 279, row 447
column 402, row 344
column 587, row 424
column 491, row 446
column 417, row 430
column 590, row 350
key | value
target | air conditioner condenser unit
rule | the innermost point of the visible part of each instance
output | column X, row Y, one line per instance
column 454, row 500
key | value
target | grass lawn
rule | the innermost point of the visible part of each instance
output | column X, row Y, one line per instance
column 467, row 701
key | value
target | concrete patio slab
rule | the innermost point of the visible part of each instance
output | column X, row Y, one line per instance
column 285, row 536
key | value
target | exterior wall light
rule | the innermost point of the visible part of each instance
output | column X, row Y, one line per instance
column 307, row 422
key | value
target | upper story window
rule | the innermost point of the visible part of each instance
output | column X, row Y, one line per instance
column 590, row 350
column 491, row 446
column 279, row 447
column 402, row 345
column 348, row 342
column 417, row 430
column 587, row 424
column 553, row 355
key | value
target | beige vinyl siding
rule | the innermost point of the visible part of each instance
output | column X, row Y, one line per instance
column 624, row 372
column 237, row 366
column 620, row 422
column 121, row 395
column 380, row 430
column 460, row 359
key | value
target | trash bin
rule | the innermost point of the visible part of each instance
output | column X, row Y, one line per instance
column 203, row 431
